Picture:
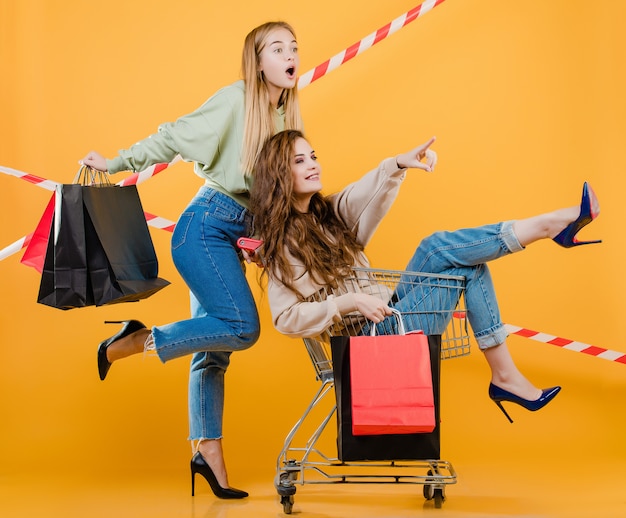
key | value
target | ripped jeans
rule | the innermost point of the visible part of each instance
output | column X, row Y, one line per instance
column 462, row 252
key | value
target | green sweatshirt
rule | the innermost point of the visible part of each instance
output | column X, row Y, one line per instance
column 211, row 137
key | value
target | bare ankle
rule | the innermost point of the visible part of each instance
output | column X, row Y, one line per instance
column 128, row 346
column 211, row 451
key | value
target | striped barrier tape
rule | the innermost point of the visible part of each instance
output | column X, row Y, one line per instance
column 565, row 343
column 371, row 39
column 50, row 185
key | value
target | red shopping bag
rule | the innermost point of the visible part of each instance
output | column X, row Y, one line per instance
column 391, row 384
column 35, row 252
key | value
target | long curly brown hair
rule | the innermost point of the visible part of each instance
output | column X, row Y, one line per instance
column 318, row 238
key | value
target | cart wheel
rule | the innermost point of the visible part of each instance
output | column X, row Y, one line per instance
column 439, row 497
column 285, row 486
column 428, row 488
column 287, row 502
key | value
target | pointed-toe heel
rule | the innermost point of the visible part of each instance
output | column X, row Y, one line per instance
column 499, row 395
column 129, row 327
column 199, row 465
column 567, row 237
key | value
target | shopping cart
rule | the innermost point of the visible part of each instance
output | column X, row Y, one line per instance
column 443, row 304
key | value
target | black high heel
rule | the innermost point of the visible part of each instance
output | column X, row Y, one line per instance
column 199, row 465
column 129, row 327
column 498, row 395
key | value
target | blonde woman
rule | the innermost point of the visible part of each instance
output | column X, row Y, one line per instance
column 223, row 138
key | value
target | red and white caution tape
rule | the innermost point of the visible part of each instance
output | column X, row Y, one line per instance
column 371, row 39
column 146, row 174
column 31, row 178
column 565, row 343
column 15, row 247
column 159, row 222
column 50, row 185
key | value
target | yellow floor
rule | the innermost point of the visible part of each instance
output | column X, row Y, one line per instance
column 585, row 488
column 119, row 460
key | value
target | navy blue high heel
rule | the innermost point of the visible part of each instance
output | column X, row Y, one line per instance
column 129, row 327
column 567, row 237
column 499, row 395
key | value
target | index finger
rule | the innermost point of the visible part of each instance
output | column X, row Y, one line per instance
column 428, row 143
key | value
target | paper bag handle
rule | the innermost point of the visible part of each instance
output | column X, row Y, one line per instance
column 398, row 315
column 92, row 177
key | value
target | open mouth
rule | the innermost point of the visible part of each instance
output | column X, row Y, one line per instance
column 291, row 71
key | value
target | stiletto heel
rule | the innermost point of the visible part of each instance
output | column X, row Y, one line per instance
column 498, row 395
column 129, row 327
column 567, row 237
column 503, row 410
column 199, row 465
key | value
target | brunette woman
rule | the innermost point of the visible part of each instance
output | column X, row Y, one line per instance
column 312, row 241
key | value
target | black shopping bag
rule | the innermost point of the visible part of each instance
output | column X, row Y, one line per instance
column 417, row 446
column 65, row 277
column 122, row 262
column 100, row 250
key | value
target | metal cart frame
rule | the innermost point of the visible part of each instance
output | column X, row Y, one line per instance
column 442, row 299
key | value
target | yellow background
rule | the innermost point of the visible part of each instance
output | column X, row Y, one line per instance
column 527, row 102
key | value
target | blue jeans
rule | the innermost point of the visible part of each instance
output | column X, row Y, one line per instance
column 224, row 315
column 461, row 252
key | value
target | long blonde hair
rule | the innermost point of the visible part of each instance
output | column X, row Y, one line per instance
column 259, row 119
column 319, row 239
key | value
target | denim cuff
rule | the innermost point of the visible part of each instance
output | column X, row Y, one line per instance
column 492, row 338
column 508, row 237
